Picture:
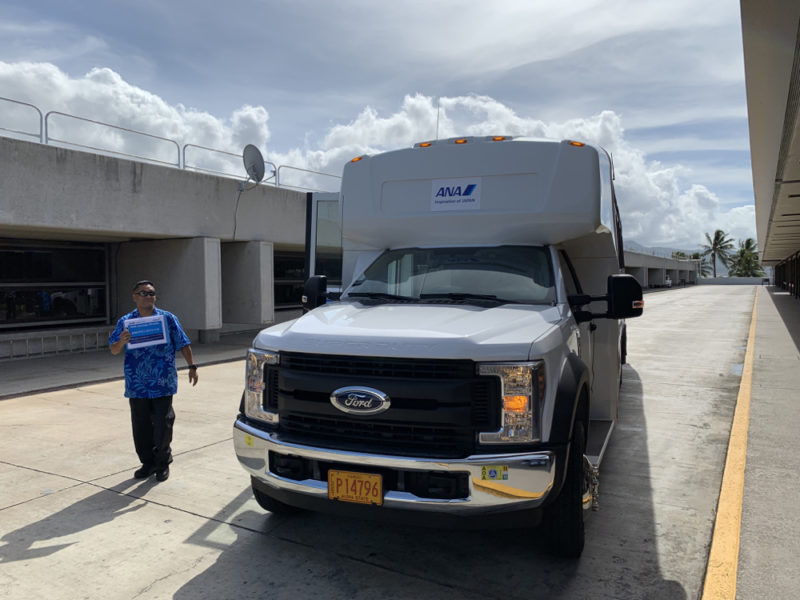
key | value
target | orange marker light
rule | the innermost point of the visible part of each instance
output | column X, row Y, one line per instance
column 461, row 141
column 515, row 404
column 425, row 145
column 357, row 158
column 499, row 138
column 578, row 144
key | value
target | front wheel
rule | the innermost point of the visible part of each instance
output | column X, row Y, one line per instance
column 269, row 503
column 564, row 518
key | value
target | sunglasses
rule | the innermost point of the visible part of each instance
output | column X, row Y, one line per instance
column 143, row 293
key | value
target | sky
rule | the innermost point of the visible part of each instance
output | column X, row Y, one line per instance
column 313, row 83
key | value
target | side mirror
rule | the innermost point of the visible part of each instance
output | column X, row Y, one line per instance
column 315, row 292
column 624, row 297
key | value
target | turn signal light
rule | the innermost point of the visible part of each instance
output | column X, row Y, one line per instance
column 515, row 404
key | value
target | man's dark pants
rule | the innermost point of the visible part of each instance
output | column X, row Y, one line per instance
column 152, row 420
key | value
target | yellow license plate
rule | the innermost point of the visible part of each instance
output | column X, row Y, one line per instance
column 361, row 488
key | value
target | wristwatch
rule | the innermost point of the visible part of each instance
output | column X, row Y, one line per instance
column 193, row 367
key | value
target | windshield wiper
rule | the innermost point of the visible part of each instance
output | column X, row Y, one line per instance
column 463, row 296
column 381, row 296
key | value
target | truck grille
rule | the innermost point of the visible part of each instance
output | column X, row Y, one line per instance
column 367, row 366
column 438, row 406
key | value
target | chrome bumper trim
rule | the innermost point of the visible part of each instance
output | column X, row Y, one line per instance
column 529, row 478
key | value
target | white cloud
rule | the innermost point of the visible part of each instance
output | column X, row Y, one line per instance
column 661, row 205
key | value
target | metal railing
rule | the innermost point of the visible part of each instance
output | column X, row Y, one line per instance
column 17, row 131
column 44, row 136
column 45, row 343
column 315, row 173
column 48, row 138
column 187, row 166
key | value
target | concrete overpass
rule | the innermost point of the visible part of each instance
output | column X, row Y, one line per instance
column 658, row 271
column 80, row 228
column 770, row 33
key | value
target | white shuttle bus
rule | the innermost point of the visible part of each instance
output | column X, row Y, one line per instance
column 468, row 371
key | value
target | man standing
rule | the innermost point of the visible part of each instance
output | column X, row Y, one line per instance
column 151, row 337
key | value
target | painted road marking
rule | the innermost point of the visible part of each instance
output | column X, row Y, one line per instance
column 723, row 560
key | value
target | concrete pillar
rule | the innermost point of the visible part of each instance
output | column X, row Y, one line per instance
column 655, row 277
column 640, row 273
column 186, row 273
column 247, row 283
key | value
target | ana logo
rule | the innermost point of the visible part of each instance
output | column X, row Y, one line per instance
column 463, row 193
column 360, row 400
column 449, row 192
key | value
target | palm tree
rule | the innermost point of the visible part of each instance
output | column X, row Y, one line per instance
column 745, row 262
column 719, row 248
column 705, row 268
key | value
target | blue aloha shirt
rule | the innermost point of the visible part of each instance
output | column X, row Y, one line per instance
column 150, row 371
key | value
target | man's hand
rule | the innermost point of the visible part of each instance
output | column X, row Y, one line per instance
column 124, row 338
column 193, row 376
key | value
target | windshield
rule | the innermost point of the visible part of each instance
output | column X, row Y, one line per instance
column 494, row 275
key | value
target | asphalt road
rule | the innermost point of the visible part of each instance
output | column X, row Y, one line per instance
column 75, row 524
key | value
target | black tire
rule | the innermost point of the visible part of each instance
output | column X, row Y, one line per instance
column 272, row 505
column 564, row 518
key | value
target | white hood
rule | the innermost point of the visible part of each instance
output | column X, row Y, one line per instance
column 414, row 331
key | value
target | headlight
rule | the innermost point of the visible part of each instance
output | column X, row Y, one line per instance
column 255, row 385
column 522, row 392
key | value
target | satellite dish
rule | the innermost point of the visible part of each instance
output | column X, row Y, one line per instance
column 253, row 162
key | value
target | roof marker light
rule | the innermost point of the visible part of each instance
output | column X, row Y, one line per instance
column 357, row 158
column 577, row 144
column 499, row 138
column 425, row 144
column 461, row 141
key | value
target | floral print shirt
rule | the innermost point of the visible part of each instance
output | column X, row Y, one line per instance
column 150, row 371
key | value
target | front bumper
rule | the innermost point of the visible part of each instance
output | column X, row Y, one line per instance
column 497, row 482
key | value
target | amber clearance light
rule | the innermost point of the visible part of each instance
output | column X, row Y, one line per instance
column 461, row 141
column 515, row 404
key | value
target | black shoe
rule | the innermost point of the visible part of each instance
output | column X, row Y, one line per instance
column 144, row 471
column 162, row 474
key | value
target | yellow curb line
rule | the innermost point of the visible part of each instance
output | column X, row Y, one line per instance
column 723, row 560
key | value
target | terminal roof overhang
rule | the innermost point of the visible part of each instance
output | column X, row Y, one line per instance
column 771, row 37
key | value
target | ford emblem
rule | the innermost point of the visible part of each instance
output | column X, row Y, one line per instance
column 355, row 400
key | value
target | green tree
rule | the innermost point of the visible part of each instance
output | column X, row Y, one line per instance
column 680, row 255
column 705, row 268
column 745, row 262
column 720, row 247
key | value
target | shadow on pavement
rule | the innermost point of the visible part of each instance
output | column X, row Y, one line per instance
column 334, row 557
column 788, row 308
column 94, row 510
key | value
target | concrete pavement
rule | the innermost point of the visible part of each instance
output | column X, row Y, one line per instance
column 769, row 559
column 74, row 524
